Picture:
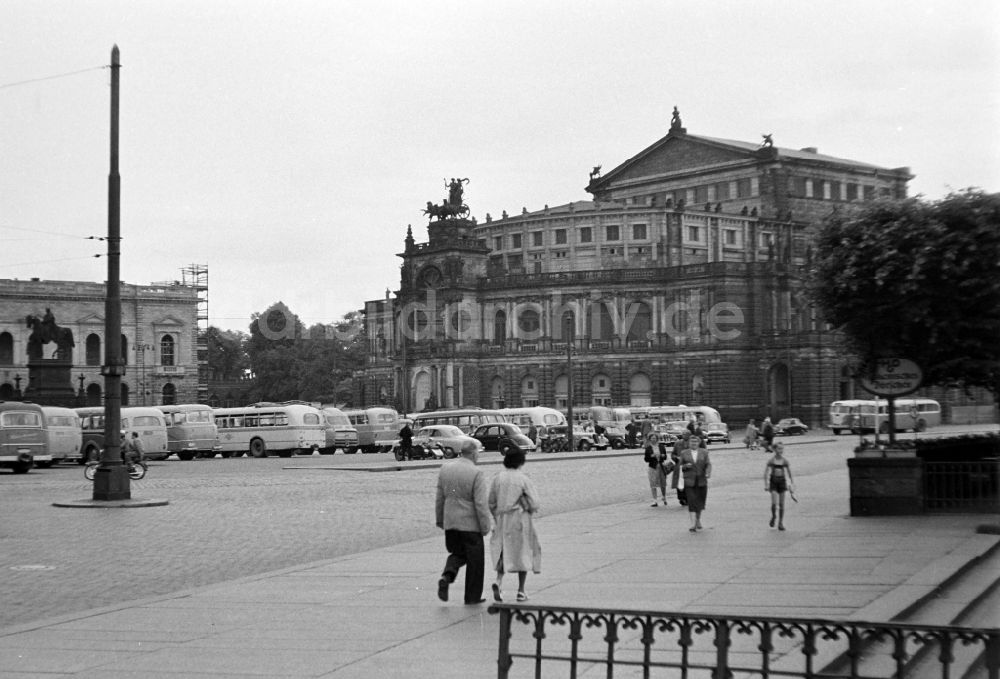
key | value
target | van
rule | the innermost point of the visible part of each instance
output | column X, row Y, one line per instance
column 63, row 434
column 22, row 436
column 340, row 433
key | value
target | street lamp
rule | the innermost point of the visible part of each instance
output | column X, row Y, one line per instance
column 140, row 350
column 569, row 383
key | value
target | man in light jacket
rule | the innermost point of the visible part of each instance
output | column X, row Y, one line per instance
column 462, row 510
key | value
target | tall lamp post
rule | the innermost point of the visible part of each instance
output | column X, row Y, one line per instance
column 569, row 384
column 111, row 481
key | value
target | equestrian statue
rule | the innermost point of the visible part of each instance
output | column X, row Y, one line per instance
column 45, row 330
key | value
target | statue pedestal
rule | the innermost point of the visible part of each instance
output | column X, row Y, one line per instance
column 50, row 382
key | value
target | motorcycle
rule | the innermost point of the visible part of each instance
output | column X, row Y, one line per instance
column 421, row 452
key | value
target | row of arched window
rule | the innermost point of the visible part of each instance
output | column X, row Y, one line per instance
column 92, row 349
column 94, row 394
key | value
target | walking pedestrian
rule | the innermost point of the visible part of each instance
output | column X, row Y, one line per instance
column 778, row 481
column 656, row 468
column 767, row 433
column 462, row 510
column 697, row 469
column 676, row 478
column 406, row 441
column 514, row 544
column 750, row 439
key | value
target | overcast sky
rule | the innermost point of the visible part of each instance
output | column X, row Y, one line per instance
column 288, row 144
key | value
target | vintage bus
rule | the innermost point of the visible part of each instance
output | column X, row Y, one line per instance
column 378, row 428
column 678, row 413
column 151, row 426
column 466, row 419
column 63, row 434
column 92, row 428
column 612, row 419
column 261, row 429
column 191, row 430
column 340, row 433
column 861, row 416
column 22, row 437
column 539, row 416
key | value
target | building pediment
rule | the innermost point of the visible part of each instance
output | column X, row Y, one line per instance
column 168, row 321
column 676, row 154
column 91, row 319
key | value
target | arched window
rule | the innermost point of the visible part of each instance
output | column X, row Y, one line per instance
column 529, row 391
column 567, row 326
column 167, row 350
column 169, row 394
column 562, row 392
column 94, row 395
column 6, row 348
column 497, row 393
column 93, row 352
column 602, row 328
column 638, row 322
column 126, row 393
column 6, row 392
column 639, row 390
column 500, row 327
column 423, row 390
column 600, row 387
column 125, row 349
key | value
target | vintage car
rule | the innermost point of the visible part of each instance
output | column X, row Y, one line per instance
column 503, row 436
column 790, row 426
column 716, row 432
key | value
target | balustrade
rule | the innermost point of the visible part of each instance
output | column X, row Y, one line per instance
column 724, row 646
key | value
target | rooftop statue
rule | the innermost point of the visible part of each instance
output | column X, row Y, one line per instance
column 451, row 206
column 45, row 330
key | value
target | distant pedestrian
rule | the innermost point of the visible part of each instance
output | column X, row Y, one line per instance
column 697, row 470
column 406, row 441
column 630, row 430
column 514, row 544
column 778, row 481
column 462, row 510
column 767, row 433
column 532, row 433
column 657, row 463
column 750, row 439
column 676, row 478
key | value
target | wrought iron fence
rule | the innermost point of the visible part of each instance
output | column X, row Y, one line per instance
column 962, row 486
column 633, row 643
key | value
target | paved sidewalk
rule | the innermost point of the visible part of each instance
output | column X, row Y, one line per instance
column 376, row 614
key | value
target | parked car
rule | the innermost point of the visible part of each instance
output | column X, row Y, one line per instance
column 449, row 437
column 716, row 432
column 790, row 426
column 503, row 436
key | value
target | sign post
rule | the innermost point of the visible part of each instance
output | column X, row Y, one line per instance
column 889, row 378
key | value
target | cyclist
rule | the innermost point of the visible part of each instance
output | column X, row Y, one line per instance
column 136, row 451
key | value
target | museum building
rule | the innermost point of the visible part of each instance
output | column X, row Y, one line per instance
column 680, row 282
column 159, row 326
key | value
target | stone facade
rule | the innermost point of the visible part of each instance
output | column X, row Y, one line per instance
column 681, row 282
column 159, row 337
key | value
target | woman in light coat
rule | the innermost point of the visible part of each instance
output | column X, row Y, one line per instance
column 514, row 543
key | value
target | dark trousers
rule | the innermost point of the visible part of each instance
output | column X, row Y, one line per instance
column 465, row 548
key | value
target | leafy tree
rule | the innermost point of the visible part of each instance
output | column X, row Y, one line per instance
column 919, row 280
column 226, row 358
column 290, row 362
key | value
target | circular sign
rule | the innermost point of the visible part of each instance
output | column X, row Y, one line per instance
column 893, row 377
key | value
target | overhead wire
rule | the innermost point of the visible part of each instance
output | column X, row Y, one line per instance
column 52, row 77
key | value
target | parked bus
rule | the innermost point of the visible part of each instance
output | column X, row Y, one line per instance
column 151, row 426
column 378, row 428
column 22, row 436
column 92, row 428
column 63, row 434
column 466, row 419
column 860, row 416
column 613, row 420
column 340, row 433
column 191, row 430
column 265, row 428
column 540, row 416
column 679, row 413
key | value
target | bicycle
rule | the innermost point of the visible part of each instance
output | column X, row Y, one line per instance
column 136, row 470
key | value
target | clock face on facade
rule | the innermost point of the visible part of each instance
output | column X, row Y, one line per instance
column 431, row 277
